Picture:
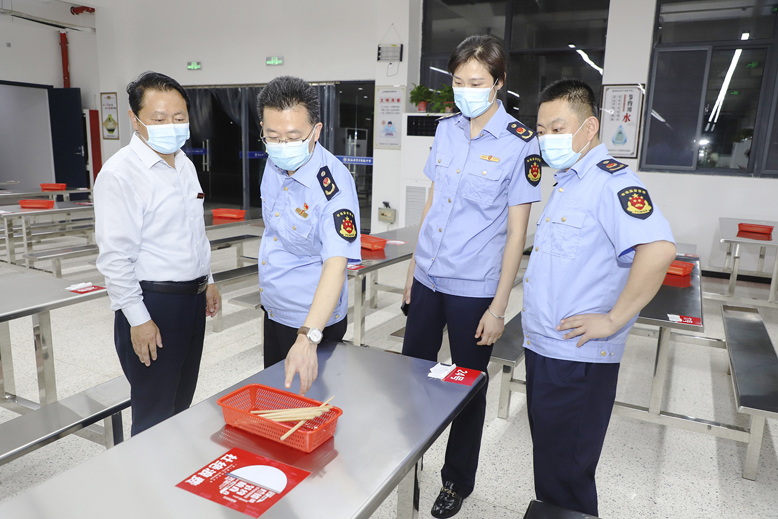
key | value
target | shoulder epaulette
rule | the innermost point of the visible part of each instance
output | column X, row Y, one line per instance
column 521, row 131
column 611, row 166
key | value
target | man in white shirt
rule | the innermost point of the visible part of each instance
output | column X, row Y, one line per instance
column 154, row 253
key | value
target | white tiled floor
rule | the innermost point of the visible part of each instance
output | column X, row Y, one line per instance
column 645, row 471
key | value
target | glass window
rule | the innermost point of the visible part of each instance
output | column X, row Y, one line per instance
column 448, row 22
column 553, row 24
column 772, row 147
column 529, row 73
column 683, row 21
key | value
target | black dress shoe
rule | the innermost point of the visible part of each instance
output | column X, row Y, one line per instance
column 448, row 502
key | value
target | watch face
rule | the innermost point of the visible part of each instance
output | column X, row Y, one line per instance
column 315, row 335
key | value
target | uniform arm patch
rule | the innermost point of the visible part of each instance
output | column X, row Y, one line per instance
column 521, row 131
column 636, row 202
column 327, row 183
column 611, row 166
column 532, row 169
column 345, row 224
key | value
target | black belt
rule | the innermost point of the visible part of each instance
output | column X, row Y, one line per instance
column 185, row 288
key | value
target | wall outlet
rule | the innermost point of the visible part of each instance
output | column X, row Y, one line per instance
column 387, row 214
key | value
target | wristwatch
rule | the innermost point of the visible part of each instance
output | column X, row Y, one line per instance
column 314, row 334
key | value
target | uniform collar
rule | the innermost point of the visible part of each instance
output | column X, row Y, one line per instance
column 595, row 155
column 307, row 172
column 496, row 124
column 146, row 155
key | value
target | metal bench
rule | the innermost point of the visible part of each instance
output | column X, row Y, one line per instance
column 237, row 242
column 754, row 368
column 51, row 422
column 57, row 255
column 252, row 300
column 230, row 277
column 509, row 351
column 540, row 510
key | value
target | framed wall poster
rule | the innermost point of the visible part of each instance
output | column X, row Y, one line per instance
column 621, row 118
column 109, row 115
column 388, row 120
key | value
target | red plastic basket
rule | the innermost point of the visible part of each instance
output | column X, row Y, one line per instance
column 235, row 214
column 36, row 204
column 755, row 236
column 752, row 227
column 53, row 187
column 255, row 397
column 680, row 268
column 372, row 243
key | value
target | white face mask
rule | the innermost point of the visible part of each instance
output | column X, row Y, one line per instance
column 473, row 102
column 557, row 150
column 166, row 138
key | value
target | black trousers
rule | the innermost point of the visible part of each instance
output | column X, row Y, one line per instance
column 278, row 338
column 569, row 406
column 428, row 313
column 167, row 386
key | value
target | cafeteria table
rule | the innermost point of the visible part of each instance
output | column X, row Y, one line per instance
column 392, row 413
column 9, row 196
column 32, row 293
column 253, row 216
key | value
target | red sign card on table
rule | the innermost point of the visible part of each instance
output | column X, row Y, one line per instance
column 86, row 290
column 245, row 482
column 685, row 319
column 462, row 376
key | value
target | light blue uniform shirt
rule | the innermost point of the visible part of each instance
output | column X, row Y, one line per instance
column 462, row 239
column 309, row 217
column 584, row 247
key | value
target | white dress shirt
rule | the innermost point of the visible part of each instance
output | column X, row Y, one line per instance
column 148, row 225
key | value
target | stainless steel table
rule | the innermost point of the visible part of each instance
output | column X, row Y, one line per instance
column 10, row 195
column 10, row 213
column 31, row 293
column 734, row 240
column 392, row 413
column 253, row 217
column 372, row 261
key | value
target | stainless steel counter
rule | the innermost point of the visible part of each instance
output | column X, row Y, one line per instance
column 734, row 240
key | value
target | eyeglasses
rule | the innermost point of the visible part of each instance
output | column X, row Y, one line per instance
column 275, row 140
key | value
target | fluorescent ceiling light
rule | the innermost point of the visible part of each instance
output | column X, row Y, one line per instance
column 745, row 36
column 436, row 69
column 714, row 114
column 514, row 93
column 589, row 61
column 704, row 141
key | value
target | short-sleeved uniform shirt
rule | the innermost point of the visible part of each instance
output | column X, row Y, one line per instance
column 598, row 212
column 462, row 238
column 310, row 216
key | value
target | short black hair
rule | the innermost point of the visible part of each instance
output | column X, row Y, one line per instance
column 287, row 92
column 151, row 80
column 576, row 92
column 485, row 49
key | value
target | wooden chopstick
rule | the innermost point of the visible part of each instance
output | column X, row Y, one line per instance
column 293, row 429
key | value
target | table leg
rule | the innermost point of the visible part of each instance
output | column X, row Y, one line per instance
column 359, row 309
column 660, row 371
column 735, row 267
column 408, row 496
column 44, row 357
column 754, row 446
column 728, row 257
column 114, row 430
column 372, row 291
column 239, row 250
column 774, row 282
column 760, row 261
column 27, row 239
column 7, row 383
column 10, row 243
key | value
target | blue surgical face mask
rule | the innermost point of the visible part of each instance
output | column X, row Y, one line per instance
column 557, row 150
column 473, row 102
column 289, row 156
column 166, row 138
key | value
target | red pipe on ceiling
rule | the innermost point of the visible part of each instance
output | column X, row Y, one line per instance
column 63, row 43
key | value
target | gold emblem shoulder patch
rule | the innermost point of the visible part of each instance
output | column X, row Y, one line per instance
column 345, row 224
column 532, row 169
column 521, row 131
column 327, row 183
column 611, row 166
column 636, row 202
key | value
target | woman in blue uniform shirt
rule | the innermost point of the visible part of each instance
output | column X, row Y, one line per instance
column 485, row 168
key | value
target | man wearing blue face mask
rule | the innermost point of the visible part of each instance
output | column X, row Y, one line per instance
column 154, row 253
column 602, row 249
column 311, row 214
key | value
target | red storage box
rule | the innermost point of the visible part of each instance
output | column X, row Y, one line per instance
column 36, row 204
column 372, row 243
column 677, row 281
column 680, row 268
column 755, row 236
column 752, row 227
column 237, row 407
column 234, row 214
column 53, row 187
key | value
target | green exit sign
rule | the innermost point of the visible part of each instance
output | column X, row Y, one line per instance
column 753, row 64
column 274, row 60
column 193, row 65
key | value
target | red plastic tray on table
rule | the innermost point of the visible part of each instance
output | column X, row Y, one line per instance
column 237, row 407
column 679, row 274
column 372, row 243
column 755, row 236
column 54, row 187
column 756, row 228
column 36, row 204
column 235, row 214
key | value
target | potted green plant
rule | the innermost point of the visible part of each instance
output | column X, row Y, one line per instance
column 443, row 100
column 420, row 96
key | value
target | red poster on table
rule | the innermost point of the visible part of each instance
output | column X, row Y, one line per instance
column 86, row 290
column 463, row 376
column 245, row 482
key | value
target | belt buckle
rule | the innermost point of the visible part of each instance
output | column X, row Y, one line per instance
column 202, row 286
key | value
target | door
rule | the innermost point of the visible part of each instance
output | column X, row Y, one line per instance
column 68, row 140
